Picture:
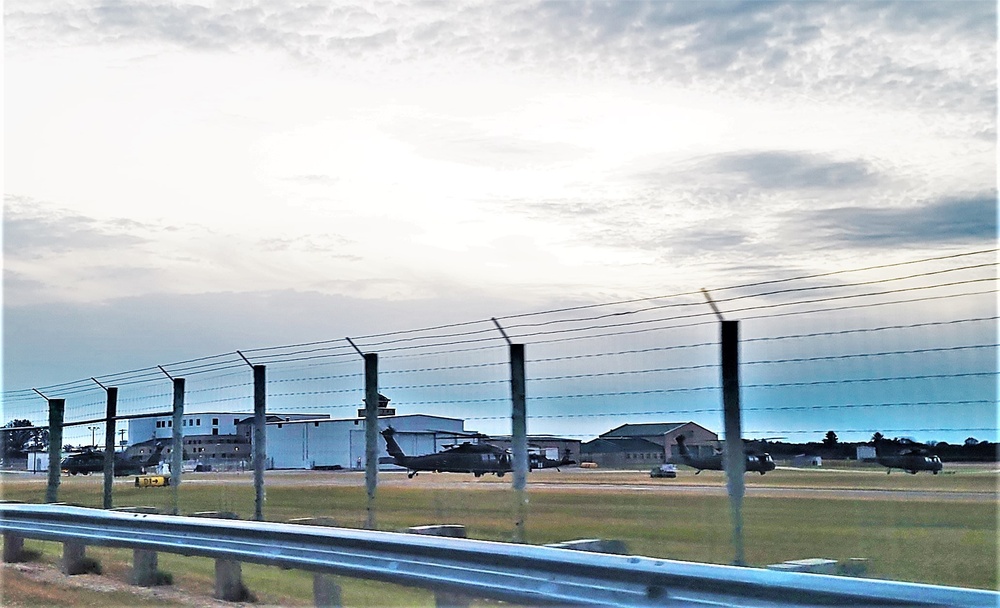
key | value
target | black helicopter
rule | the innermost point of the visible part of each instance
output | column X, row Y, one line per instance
column 478, row 459
column 909, row 456
column 759, row 462
column 92, row 461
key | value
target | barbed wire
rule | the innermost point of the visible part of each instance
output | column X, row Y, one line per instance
column 404, row 339
column 718, row 409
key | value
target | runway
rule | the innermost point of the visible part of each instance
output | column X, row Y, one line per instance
column 788, row 485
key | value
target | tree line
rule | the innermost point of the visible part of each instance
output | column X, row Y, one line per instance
column 970, row 450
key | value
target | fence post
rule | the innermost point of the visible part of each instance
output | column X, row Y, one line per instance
column 259, row 438
column 109, row 444
column 177, row 453
column 57, row 409
column 734, row 455
column 519, row 435
column 371, row 434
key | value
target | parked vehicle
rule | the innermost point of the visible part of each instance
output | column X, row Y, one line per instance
column 664, row 470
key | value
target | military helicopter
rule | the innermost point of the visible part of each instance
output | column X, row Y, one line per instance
column 478, row 459
column 92, row 461
column 761, row 463
column 911, row 457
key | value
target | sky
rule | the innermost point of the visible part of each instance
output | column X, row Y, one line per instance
column 183, row 179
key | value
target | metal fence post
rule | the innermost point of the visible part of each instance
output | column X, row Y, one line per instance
column 734, row 455
column 259, row 438
column 177, row 453
column 109, row 444
column 57, row 409
column 519, row 435
column 371, row 434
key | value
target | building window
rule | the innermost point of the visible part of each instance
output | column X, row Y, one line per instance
column 215, row 431
column 215, row 422
column 197, row 421
column 279, row 426
column 170, row 423
column 315, row 424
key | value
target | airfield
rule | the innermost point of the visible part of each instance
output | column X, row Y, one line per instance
column 939, row 529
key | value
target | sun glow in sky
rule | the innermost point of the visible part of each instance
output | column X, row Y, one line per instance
column 515, row 153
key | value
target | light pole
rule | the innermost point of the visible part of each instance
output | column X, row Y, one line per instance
column 93, row 439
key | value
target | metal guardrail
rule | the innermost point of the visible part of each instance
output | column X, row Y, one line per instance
column 525, row 574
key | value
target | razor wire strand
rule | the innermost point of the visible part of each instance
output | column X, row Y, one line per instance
column 145, row 374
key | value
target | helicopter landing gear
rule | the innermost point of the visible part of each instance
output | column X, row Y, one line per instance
column 411, row 474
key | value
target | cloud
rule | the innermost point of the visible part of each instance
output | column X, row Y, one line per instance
column 325, row 244
column 117, row 334
column 952, row 220
column 461, row 141
column 780, row 170
column 919, row 54
column 30, row 232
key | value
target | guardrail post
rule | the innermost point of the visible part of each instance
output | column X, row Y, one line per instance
column 228, row 573
column 13, row 548
column 326, row 591
column 145, row 565
column 109, row 444
column 229, row 581
column 445, row 599
column 57, row 408
column 73, row 558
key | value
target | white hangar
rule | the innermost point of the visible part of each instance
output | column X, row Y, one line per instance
column 329, row 444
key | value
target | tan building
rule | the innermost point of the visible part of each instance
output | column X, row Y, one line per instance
column 632, row 445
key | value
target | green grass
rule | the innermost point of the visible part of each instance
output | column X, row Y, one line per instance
column 929, row 540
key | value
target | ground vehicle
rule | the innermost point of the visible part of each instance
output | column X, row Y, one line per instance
column 664, row 470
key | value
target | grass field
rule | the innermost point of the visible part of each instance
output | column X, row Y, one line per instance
column 923, row 530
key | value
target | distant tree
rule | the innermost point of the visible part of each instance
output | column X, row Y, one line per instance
column 830, row 440
column 971, row 441
column 877, row 437
column 21, row 437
